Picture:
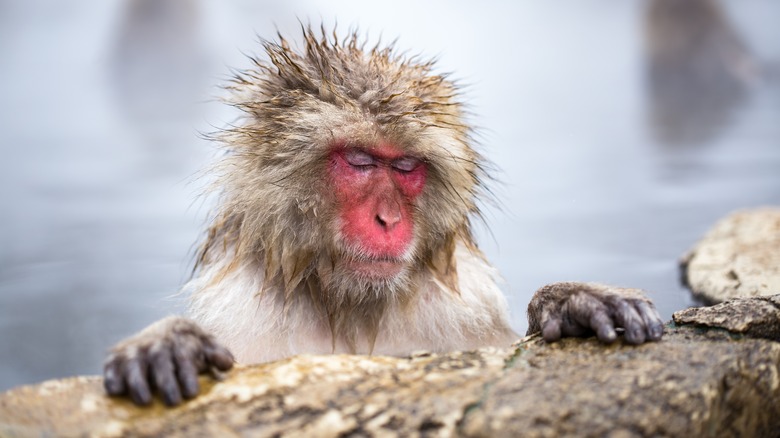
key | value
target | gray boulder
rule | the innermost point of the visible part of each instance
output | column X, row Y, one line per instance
column 738, row 257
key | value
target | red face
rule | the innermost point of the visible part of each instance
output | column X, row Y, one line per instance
column 375, row 189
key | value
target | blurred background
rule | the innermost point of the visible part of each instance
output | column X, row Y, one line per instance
column 621, row 130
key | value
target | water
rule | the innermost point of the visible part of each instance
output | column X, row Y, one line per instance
column 613, row 163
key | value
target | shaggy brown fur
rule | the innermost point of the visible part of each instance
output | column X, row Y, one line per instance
column 275, row 205
column 278, row 229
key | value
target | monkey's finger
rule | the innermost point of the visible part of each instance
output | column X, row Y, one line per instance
column 578, row 315
column 218, row 355
column 628, row 318
column 163, row 373
column 570, row 327
column 135, row 374
column 551, row 330
column 186, row 370
column 602, row 324
column 113, row 380
column 654, row 325
column 551, row 325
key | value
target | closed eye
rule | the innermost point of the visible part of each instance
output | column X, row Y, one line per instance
column 406, row 164
column 358, row 158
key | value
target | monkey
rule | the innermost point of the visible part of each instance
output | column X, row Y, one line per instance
column 344, row 225
column 699, row 72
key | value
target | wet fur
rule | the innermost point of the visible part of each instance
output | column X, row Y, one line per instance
column 263, row 327
column 269, row 280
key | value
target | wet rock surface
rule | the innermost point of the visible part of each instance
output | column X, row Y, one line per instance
column 707, row 377
column 756, row 317
column 739, row 256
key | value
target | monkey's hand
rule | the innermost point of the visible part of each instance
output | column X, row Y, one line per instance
column 582, row 309
column 168, row 355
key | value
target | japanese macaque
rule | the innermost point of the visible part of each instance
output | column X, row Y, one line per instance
column 700, row 71
column 344, row 226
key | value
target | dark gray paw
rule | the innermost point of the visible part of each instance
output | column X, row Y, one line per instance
column 166, row 356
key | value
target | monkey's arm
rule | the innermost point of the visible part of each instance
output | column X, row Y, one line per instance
column 168, row 355
column 582, row 309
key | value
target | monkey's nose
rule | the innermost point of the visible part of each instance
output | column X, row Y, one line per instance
column 388, row 218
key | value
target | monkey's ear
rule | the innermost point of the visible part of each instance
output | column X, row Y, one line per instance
column 444, row 266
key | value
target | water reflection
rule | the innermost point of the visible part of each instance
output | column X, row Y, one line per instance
column 158, row 76
column 700, row 71
column 158, row 63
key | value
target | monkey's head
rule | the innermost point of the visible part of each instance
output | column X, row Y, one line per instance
column 351, row 171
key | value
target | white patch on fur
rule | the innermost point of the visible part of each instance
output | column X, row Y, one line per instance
column 255, row 328
column 440, row 320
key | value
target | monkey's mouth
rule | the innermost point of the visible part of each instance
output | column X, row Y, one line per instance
column 379, row 268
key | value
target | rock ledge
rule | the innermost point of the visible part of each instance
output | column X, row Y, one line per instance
column 707, row 377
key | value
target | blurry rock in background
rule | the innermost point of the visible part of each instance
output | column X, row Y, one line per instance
column 699, row 70
column 158, row 67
